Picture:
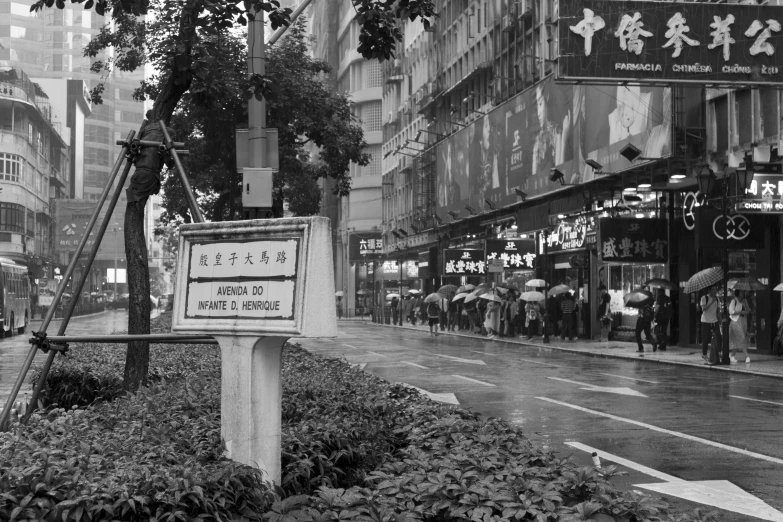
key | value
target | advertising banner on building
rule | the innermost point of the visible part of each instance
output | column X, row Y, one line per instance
column 630, row 240
column 517, row 254
column 71, row 219
column 516, row 145
column 577, row 234
column 670, row 42
column 741, row 231
column 460, row 261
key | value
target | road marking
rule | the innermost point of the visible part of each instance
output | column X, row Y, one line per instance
column 716, row 493
column 359, row 365
column 459, row 359
column 416, row 365
column 729, row 383
column 666, row 431
column 536, row 362
column 351, row 346
column 603, row 389
column 376, row 353
column 756, row 400
column 448, row 398
column 474, row 380
column 630, row 378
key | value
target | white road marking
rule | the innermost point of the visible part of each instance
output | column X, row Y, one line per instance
column 474, row 380
column 376, row 353
column 668, row 432
column 630, row 378
column 536, row 362
column 459, row 359
column 448, row 398
column 603, row 389
column 756, row 400
column 416, row 365
column 729, row 383
column 351, row 346
column 716, row 493
column 360, row 365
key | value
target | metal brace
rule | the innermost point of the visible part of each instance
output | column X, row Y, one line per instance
column 134, row 147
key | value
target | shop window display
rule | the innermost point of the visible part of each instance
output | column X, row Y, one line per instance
column 621, row 279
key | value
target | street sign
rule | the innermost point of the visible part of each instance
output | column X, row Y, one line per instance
column 759, row 207
column 495, row 266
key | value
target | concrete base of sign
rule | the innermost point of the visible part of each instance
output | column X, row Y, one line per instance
column 250, row 403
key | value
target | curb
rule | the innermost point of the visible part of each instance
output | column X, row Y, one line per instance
column 720, row 368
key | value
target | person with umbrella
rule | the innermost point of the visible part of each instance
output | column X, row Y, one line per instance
column 395, row 306
column 644, row 321
column 492, row 321
column 532, row 318
column 738, row 329
column 663, row 314
column 433, row 312
column 709, row 320
column 568, row 307
column 604, row 313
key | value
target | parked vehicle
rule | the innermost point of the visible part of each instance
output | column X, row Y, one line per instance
column 14, row 297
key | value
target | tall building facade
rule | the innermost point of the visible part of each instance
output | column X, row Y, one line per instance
column 48, row 45
column 356, row 218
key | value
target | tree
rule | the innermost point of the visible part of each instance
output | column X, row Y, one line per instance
column 302, row 108
column 180, row 39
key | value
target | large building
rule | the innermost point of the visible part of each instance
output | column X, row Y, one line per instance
column 355, row 218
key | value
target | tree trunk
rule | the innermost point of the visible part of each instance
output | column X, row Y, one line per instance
column 137, row 358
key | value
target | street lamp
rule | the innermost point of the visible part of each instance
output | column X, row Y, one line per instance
column 706, row 180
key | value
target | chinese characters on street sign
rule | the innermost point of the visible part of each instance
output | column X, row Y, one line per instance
column 252, row 279
column 672, row 42
column 370, row 246
column 459, row 261
column 570, row 235
column 764, row 196
column 634, row 240
column 517, row 254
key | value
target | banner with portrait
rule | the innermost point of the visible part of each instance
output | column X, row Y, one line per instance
column 516, row 145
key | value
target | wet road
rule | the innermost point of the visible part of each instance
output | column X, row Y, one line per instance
column 675, row 426
column 14, row 350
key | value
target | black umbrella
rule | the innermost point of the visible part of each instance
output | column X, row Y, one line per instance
column 638, row 298
column 660, row 283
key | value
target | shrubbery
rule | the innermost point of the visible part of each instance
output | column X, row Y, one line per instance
column 354, row 448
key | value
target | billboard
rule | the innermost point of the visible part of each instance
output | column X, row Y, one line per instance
column 516, row 254
column 723, row 44
column 71, row 219
column 551, row 125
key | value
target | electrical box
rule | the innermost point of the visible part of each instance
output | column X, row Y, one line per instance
column 272, row 155
column 257, row 187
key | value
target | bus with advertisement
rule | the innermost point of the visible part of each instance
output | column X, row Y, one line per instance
column 14, row 297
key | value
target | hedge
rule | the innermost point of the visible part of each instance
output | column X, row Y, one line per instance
column 354, row 448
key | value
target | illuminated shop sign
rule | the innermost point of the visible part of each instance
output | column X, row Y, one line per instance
column 458, row 261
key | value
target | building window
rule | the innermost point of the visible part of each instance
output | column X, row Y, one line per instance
column 10, row 167
column 371, row 116
column 374, row 167
column 12, row 217
column 722, row 123
column 744, row 116
column 94, row 156
column 30, row 223
column 97, row 134
column 373, row 77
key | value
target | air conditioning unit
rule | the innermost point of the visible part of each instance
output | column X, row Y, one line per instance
column 507, row 25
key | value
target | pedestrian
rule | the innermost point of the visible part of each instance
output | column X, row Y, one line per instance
column 643, row 324
column 532, row 319
column 663, row 314
column 604, row 313
column 502, row 316
column 406, row 305
column 444, row 308
column 481, row 308
column 709, row 321
column 339, row 305
column 415, row 309
column 395, row 305
column 492, row 320
column 472, row 315
column 555, row 314
column 453, row 315
column 512, row 309
column 739, row 309
column 433, row 315
column 568, row 306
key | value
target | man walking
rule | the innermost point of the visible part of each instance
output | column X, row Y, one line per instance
column 663, row 314
column 709, row 321
column 567, row 306
column 395, row 304
column 643, row 323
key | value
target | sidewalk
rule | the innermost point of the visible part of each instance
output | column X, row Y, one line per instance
column 765, row 365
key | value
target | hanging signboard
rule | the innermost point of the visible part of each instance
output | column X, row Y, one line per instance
column 764, row 196
column 516, row 254
column 365, row 245
column 459, row 261
column 631, row 240
column 571, row 235
column 670, row 42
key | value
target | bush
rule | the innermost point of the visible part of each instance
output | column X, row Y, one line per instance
column 354, row 447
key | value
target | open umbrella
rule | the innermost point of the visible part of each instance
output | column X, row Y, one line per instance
column 392, row 296
column 746, row 283
column 508, row 286
column 502, row 290
column 433, row 297
column 471, row 297
column 447, row 290
column 532, row 296
column 338, row 293
column 536, row 283
column 414, row 291
column 637, row 298
column 559, row 289
column 459, row 296
column 704, row 279
column 660, row 283
column 363, row 292
column 491, row 297
column 465, row 289
column 779, row 288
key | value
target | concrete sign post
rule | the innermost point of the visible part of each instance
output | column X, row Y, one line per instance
column 252, row 285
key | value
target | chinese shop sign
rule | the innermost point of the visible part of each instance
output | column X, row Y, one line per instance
column 672, row 42
column 634, row 240
column 764, row 196
column 463, row 262
column 365, row 245
column 570, row 235
column 517, row 254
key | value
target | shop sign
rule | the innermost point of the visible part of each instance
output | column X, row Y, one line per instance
column 391, row 267
column 365, row 245
column 570, row 235
column 644, row 41
column 516, row 254
column 458, row 261
column 634, row 240
column 411, row 270
column 741, row 231
column 764, row 196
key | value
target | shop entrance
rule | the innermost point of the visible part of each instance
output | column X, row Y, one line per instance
column 620, row 279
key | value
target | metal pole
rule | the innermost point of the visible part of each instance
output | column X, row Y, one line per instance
column 72, row 303
column 124, row 338
column 545, row 272
column 725, row 359
column 195, row 213
column 115, row 265
column 5, row 414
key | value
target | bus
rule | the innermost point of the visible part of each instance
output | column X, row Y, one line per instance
column 14, row 297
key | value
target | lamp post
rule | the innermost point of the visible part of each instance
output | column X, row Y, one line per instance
column 706, row 180
column 116, row 229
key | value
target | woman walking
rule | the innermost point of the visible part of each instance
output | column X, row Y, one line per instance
column 433, row 314
column 532, row 317
column 492, row 321
column 738, row 329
